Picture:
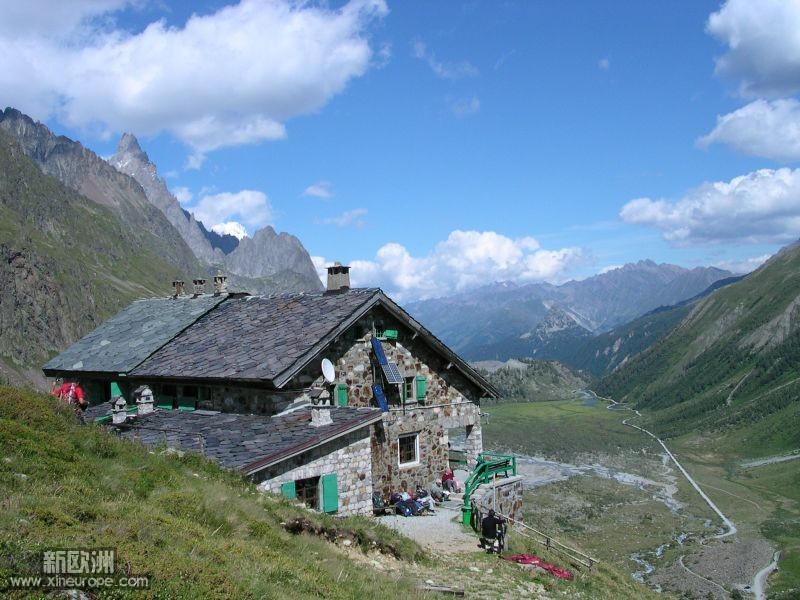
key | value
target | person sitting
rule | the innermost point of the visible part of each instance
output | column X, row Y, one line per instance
column 489, row 529
column 438, row 493
column 449, row 482
column 423, row 497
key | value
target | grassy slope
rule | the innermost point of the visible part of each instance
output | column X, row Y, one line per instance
column 683, row 382
column 69, row 263
column 541, row 380
column 199, row 531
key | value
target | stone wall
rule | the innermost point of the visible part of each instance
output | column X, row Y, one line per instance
column 349, row 457
column 430, row 423
column 451, row 400
column 503, row 495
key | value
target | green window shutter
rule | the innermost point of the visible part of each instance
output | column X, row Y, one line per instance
column 341, row 394
column 115, row 389
column 288, row 490
column 330, row 493
column 187, row 404
column 421, row 387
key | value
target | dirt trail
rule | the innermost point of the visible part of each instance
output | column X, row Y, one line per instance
column 440, row 532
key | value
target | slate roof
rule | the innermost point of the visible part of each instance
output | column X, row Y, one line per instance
column 244, row 442
column 257, row 337
column 131, row 335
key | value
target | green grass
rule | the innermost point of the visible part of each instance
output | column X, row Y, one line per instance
column 561, row 430
column 198, row 530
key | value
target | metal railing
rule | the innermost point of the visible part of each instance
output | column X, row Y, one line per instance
column 489, row 466
column 552, row 544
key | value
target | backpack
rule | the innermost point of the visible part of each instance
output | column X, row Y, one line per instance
column 402, row 509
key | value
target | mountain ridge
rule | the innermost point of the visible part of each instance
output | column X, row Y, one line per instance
column 729, row 365
column 484, row 321
column 267, row 262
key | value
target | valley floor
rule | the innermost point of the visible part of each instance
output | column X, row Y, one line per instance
column 612, row 491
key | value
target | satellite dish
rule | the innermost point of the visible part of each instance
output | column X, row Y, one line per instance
column 328, row 372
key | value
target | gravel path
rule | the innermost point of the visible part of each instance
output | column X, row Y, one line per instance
column 440, row 532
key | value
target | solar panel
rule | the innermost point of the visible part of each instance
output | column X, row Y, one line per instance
column 378, row 350
column 392, row 373
column 380, row 397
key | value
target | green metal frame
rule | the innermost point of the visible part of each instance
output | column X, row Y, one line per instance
column 490, row 465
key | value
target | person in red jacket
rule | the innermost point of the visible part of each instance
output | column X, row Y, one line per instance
column 71, row 393
column 449, row 480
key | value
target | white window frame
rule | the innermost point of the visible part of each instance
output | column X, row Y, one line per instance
column 414, row 462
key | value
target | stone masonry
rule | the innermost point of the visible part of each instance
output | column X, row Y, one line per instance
column 451, row 400
column 503, row 495
column 349, row 457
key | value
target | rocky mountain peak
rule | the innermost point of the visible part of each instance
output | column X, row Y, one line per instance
column 129, row 146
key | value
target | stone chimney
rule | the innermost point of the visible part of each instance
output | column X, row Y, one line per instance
column 338, row 278
column 177, row 287
column 199, row 287
column 144, row 400
column 220, row 284
column 320, row 417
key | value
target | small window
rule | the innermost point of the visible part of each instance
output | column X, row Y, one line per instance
column 408, row 449
column 408, row 390
column 307, row 491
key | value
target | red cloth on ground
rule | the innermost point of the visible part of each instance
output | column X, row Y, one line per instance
column 531, row 559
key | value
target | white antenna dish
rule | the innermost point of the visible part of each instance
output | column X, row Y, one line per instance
column 328, row 372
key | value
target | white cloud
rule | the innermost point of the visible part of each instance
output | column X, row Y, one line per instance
column 445, row 70
column 183, row 194
column 760, row 207
column 233, row 228
column 763, row 45
column 228, row 78
column 609, row 268
column 54, row 18
column 604, row 64
column 383, row 56
column 464, row 107
column 320, row 264
column 350, row 217
column 743, row 266
column 762, row 128
column 466, row 259
column 319, row 190
column 250, row 207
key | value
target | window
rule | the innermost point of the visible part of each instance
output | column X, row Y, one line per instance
column 319, row 493
column 408, row 449
column 409, row 394
column 307, row 491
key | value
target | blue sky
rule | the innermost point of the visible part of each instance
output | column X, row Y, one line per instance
column 435, row 146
